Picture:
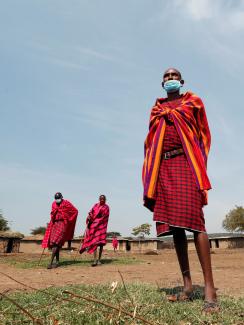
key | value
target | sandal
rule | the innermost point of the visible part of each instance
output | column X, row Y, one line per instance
column 180, row 296
column 94, row 264
column 210, row 307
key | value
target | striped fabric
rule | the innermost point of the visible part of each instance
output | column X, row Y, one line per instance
column 191, row 123
column 96, row 230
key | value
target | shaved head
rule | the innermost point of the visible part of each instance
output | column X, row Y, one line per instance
column 170, row 70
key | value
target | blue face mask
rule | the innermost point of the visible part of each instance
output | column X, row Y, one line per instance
column 172, row 86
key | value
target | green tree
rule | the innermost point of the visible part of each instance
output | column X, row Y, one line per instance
column 3, row 223
column 234, row 220
column 111, row 234
column 142, row 230
column 38, row 231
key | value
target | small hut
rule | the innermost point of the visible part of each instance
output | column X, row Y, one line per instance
column 10, row 241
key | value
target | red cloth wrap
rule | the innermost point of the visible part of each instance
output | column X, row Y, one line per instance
column 96, row 231
column 62, row 225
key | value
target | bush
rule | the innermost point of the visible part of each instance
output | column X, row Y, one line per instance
column 38, row 231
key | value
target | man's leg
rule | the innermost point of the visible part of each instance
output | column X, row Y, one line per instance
column 54, row 252
column 57, row 255
column 203, row 251
column 181, row 247
column 100, row 254
column 95, row 258
column 69, row 244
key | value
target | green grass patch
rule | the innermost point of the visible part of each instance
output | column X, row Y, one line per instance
column 49, row 307
column 28, row 261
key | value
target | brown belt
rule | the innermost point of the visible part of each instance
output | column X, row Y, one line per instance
column 172, row 153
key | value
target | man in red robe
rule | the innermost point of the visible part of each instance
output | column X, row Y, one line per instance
column 96, row 231
column 60, row 228
column 175, row 178
column 115, row 243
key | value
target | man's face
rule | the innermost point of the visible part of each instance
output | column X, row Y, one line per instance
column 171, row 74
column 102, row 199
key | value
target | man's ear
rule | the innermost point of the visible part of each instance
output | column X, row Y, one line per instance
column 182, row 82
column 162, row 84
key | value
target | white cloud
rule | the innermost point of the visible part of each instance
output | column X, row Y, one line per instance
column 200, row 9
column 224, row 14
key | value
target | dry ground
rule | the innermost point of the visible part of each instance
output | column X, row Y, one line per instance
column 228, row 268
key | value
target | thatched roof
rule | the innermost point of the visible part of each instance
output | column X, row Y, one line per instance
column 11, row 234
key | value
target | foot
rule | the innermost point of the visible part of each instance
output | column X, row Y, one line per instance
column 55, row 265
column 99, row 263
column 50, row 266
column 210, row 294
column 94, row 263
column 210, row 307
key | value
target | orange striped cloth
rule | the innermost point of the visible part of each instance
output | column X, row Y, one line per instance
column 191, row 124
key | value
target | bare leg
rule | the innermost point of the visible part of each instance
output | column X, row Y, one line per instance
column 54, row 252
column 57, row 255
column 203, row 251
column 69, row 244
column 181, row 248
column 95, row 258
column 100, row 253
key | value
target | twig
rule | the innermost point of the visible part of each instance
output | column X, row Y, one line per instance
column 126, row 289
column 109, row 306
column 37, row 321
column 41, row 257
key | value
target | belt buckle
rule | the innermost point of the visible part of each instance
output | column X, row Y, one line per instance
column 166, row 155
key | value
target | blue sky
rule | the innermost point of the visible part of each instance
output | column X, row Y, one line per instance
column 77, row 81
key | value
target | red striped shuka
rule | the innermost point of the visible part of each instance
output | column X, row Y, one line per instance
column 62, row 225
column 176, row 189
column 96, row 230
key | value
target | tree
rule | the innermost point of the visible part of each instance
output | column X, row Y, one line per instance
column 38, row 231
column 111, row 234
column 3, row 223
column 142, row 230
column 234, row 220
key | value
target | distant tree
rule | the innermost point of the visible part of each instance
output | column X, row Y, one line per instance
column 142, row 230
column 3, row 223
column 111, row 234
column 234, row 220
column 38, row 231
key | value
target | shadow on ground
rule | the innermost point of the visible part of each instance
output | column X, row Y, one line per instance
column 85, row 262
column 198, row 291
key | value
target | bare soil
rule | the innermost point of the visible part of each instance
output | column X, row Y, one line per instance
column 161, row 270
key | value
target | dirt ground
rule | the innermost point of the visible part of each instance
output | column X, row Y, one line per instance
column 161, row 270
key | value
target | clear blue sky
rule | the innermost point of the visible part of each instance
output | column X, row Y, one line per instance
column 78, row 79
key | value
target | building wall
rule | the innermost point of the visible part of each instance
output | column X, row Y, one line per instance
column 15, row 245
column 125, row 245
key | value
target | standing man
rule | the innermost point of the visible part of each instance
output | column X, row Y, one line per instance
column 96, row 230
column 175, row 178
column 115, row 243
column 60, row 228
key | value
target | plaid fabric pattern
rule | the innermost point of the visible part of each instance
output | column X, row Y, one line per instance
column 191, row 123
column 96, row 231
column 178, row 200
column 57, row 234
column 63, row 219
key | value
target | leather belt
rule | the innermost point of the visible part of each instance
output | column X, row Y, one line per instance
column 172, row 153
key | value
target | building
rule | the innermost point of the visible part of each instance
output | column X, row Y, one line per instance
column 10, row 241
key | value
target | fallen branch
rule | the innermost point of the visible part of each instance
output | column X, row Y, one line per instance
column 109, row 306
column 37, row 321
